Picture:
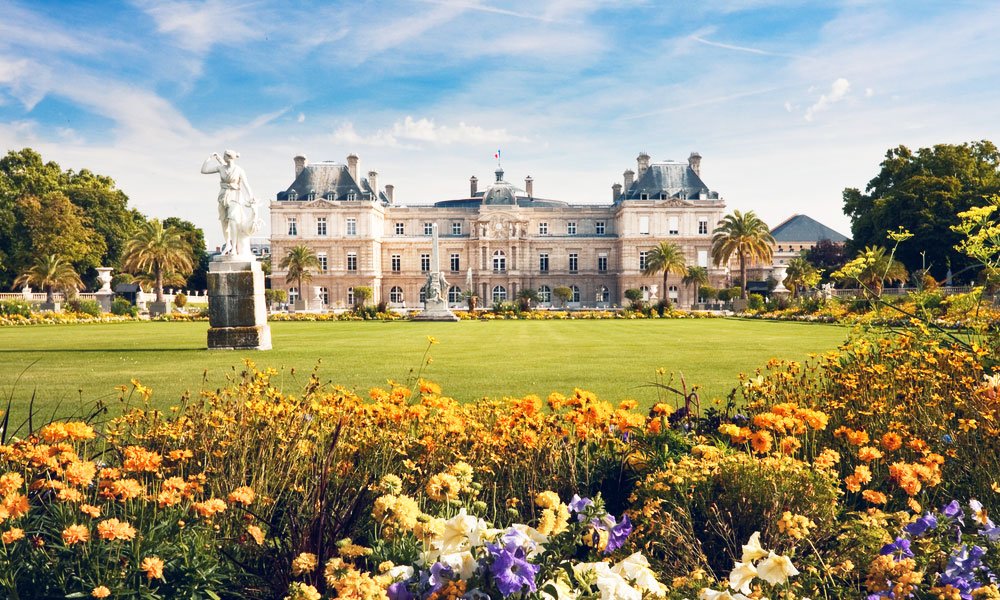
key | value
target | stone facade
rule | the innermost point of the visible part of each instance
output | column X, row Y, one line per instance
column 499, row 240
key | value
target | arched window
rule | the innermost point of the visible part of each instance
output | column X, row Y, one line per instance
column 499, row 261
column 544, row 294
column 293, row 294
column 576, row 293
column 602, row 295
column 293, row 195
column 672, row 293
column 325, row 295
column 396, row 295
column 350, row 296
column 454, row 294
column 645, row 293
column 499, row 294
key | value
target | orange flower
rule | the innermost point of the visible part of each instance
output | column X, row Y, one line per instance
column 11, row 536
column 9, row 482
column 243, row 495
column 789, row 445
column 138, row 458
column 75, row 534
column 869, row 453
column 176, row 455
column 100, row 592
column 892, row 441
column 209, row 507
column 857, row 438
column 80, row 473
column 69, row 495
column 658, row 409
column 257, row 534
column 113, row 529
column 153, row 567
column 852, row 484
column 863, row 474
column 126, row 489
column 874, row 497
column 761, row 442
column 92, row 511
column 16, row 505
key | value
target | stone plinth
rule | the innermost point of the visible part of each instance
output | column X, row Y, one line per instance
column 236, row 306
column 105, row 299
column 435, row 310
column 159, row 308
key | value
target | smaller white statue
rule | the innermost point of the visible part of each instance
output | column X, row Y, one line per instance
column 234, row 196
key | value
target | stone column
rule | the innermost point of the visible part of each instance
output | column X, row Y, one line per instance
column 237, row 310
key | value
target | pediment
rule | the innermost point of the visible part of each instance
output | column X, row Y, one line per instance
column 676, row 202
column 320, row 203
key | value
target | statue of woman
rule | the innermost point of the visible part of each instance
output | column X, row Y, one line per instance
column 234, row 194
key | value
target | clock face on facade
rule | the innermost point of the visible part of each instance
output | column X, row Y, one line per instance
column 498, row 226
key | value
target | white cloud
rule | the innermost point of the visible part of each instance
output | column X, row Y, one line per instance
column 200, row 25
column 869, row 92
column 409, row 131
column 838, row 91
column 301, row 118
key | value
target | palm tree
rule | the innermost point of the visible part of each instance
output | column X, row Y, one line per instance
column 696, row 277
column 297, row 263
column 800, row 273
column 50, row 273
column 666, row 258
column 746, row 235
column 158, row 251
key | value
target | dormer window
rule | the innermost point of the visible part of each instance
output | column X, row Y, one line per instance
column 351, row 197
column 312, row 196
column 663, row 195
column 331, row 196
column 644, row 196
column 293, row 195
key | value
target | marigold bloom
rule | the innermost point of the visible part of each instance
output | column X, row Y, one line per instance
column 100, row 592
column 126, row 489
column 138, row 458
column 256, row 533
column 305, row 562
column 874, row 497
column 442, row 487
column 209, row 507
column 790, row 445
column 242, row 495
column 857, row 438
column 75, row 534
column 153, row 567
column 302, row 591
column 547, row 499
column 12, row 535
column 827, row 459
column 92, row 511
column 892, row 441
column 869, row 453
column 761, row 442
column 80, row 473
column 9, row 482
column 16, row 505
column 113, row 529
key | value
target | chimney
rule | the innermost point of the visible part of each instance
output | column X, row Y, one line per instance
column 301, row 162
column 528, row 187
column 694, row 161
column 643, row 163
column 352, row 166
column 373, row 183
column 389, row 189
column 473, row 185
column 616, row 192
column 629, row 178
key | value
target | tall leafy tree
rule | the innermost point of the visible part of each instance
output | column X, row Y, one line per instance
column 666, row 258
column 195, row 238
column 51, row 273
column 57, row 226
column 158, row 251
column 696, row 277
column 297, row 264
column 923, row 192
column 745, row 235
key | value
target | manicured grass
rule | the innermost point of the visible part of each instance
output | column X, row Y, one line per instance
column 69, row 366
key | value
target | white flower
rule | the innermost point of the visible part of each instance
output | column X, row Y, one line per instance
column 741, row 576
column 525, row 537
column 564, row 588
column 611, row 585
column 776, row 569
column 463, row 563
column 462, row 532
column 636, row 568
column 710, row 594
column 400, row 573
column 752, row 550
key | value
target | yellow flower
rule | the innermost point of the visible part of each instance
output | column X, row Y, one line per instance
column 302, row 591
column 113, row 529
column 304, row 563
column 243, row 495
column 209, row 507
column 10, row 482
column 75, row 534
column 100, row 592
column 547, row 499
column 431, row 339
column 442, row 487
column 153, row 567
column 256, row 533
column 11, row 536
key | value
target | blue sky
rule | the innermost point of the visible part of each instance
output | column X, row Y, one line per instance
column 788, row 102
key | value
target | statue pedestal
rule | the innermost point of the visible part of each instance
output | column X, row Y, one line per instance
column 236, row 306
column 435, row 310
column 159, row 308
column 105, row 299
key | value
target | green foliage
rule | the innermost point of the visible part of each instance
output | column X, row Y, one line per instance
column 275, row 296
column 827, row 256
column 122, row 307
column 15, row 307
column 51, row 273
column 708, row 292
column 86, row 307
column 361, row 294
column 162, row 252
column 297, row 264
column 180, row 299
column 195, row 239
column 745, row 235
column 872, row 269
column 923, row 192
column 755, row 302
column 634, row 295
column 563, row 293
column 801, row 274
column 666, row 258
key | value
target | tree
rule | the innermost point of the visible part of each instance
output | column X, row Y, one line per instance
column 696, row 277
column 872, row 268
column 51, row 273
column 195, row 238
column 667, row 257
column 361, row 294
column 54, row 225
column 563, row 293
column 923, row 192
column 745, row 235
column 526, row 296
column 634, row 295
column 297, row 263
column 827, row 256
column 800, row 273
column 158, row 251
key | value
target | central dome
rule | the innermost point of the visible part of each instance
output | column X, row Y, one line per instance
column 500, row 192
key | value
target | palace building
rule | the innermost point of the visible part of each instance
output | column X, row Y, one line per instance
column 497, row 240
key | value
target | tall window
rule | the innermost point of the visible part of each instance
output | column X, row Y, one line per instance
column 425, row 263
column 674, row 226
column 324, row 294
column 574, row 262
column 293, row 228
column 672, row 293
column 423, row 294
column 322, row 261
column 544, row 294
column 350, row 296
column 352, row 226
column 702, row 225
column 293, row 295
column 571, row 228
column 396, row 263
column 456, row 228
column 454, row 294
column 643, row 256
column 602, row 263
column 396, row 294
column 576, row 293
column 599, row 228
column 499, row 294
column 321, row 226
column 352, row 261
column 645, row 293
column 643, row 225
column 428, row 229
column 543, row 229
column 400, row 228
column 499, row 262
column 543, row 262
column 455, row 266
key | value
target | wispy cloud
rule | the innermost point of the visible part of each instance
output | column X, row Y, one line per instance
column 477, row 6
column 410, row 132
column 838, row 91
column 200, row 25
column 702, row 40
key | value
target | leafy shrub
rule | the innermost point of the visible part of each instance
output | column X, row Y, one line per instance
column 755, row 302
column 86, row 307
column 15, row 307
column 664, row 306
column 275, row 296
column 180, row 299
column 812, row 304
column 708, row 292
column 121, row 306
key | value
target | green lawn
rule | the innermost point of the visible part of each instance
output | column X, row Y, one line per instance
column 64, row 366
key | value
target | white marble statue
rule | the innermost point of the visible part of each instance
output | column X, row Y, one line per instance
column 234, row 197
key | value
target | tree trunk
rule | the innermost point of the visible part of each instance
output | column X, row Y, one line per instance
column 159, row 282
column 664, row 296
column 50, row 296
column 743, row 276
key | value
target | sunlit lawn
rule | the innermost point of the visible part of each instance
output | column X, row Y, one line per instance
column 67, row 367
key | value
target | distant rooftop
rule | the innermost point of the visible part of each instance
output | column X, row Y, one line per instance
column 803, row 228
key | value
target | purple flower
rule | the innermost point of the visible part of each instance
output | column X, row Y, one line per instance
column 475, row 594
column 577, row 504
column 953, row 510
column 921, row 525
column 899, row 549
column 617, row 534
column 440, row 575
column 398, row 591
column 960, row 572
column 511, row 571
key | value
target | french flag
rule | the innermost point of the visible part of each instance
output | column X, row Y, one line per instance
column 497, row 155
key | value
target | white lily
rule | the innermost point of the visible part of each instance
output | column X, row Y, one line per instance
column 752, row 550
column 710, row 594
column 741, row 576
column 776, row 569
